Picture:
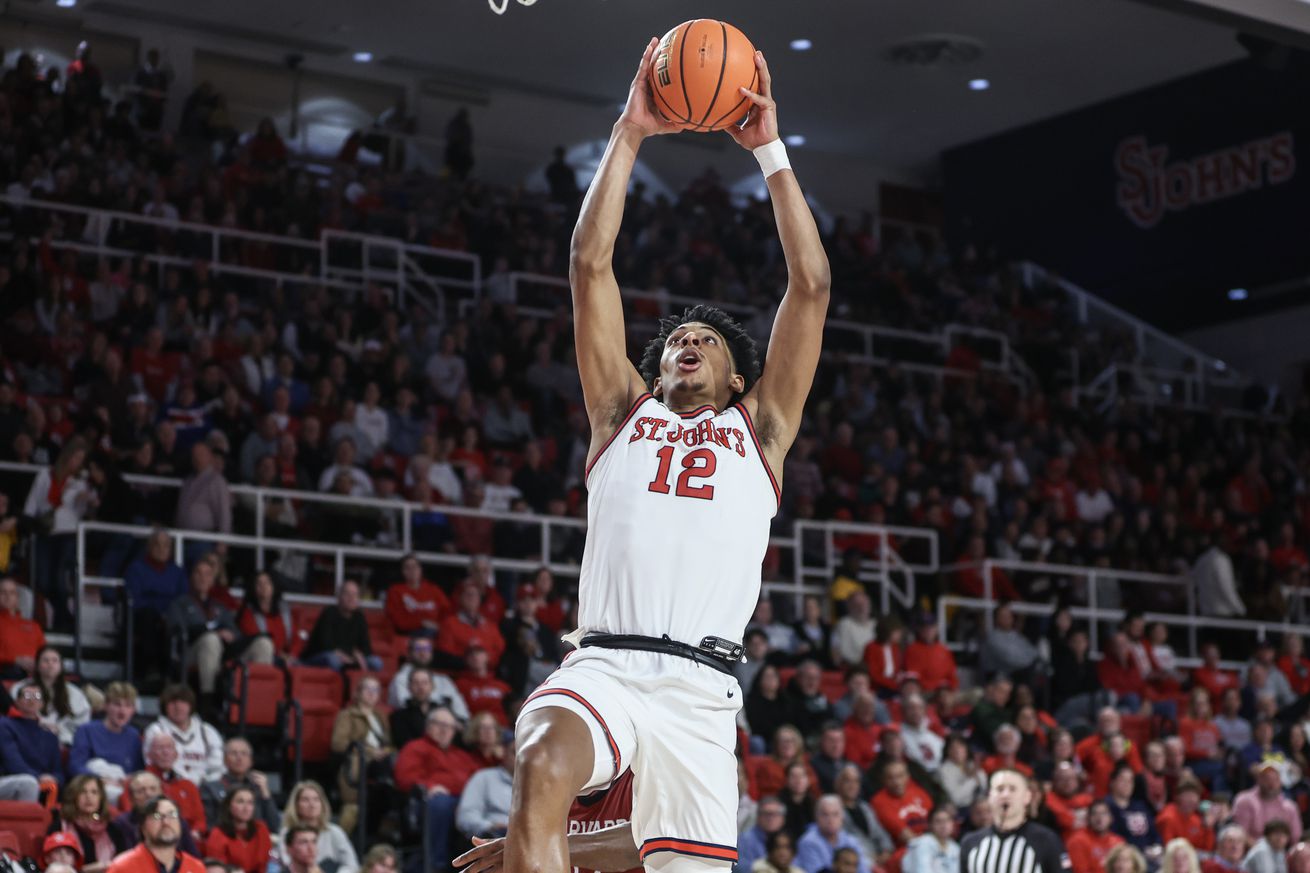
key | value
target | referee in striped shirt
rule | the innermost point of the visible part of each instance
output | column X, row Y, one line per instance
column 1012, row 844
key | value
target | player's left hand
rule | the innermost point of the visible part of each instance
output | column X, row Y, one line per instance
column 486, row 856
column 761, row 125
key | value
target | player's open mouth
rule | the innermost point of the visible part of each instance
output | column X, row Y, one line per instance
column 689, row 362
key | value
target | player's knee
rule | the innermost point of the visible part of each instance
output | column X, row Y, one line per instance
column 548, row 756
column 672, row 862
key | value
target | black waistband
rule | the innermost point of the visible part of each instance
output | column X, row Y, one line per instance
column 666, row 646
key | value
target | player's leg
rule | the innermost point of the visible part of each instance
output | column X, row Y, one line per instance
column 554, row 759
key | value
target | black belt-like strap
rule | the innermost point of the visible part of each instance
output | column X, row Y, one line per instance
column 664, row 646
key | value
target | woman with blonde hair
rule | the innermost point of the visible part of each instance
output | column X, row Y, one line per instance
column 360, row 722
column 768, row 773
column 307, row 806
column 1179, row 857
column 1124, row 858
column 484, row 739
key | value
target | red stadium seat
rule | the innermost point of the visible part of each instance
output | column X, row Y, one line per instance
column 319, row 691
column 9, row 843
column 784, row 676
column 266, row 689
column 28, row 823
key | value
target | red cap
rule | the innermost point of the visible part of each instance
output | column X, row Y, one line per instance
column 62, row 840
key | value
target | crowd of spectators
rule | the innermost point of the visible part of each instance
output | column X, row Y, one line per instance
column 862, row 740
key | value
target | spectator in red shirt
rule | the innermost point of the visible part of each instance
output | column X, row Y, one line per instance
column 441, row 769
column 767, row 774
column 161, row 755
column 1294, row 665
column 928, row 659
column 20, row 638
column 415, row 605
column 263, row 613
column 1203, row 741
column 154, row 367
column 884, row 657
column 902, row 807
column 1288, row 553
column 1089, row 848
column 240, row 837
column 1119, row 672
column 483, row 575
column 1183, row 819
column 1098, row 753
column 468, row 627
column 1067, row 801
column 863, row 731
column 482, row 691
column 1211, row 676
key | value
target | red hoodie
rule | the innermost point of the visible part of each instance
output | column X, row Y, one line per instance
column 1088, row 851
column 933, row 663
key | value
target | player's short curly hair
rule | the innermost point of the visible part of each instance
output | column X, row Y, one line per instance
column 745, row 352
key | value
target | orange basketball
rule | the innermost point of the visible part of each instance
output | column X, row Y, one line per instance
column 696, row 72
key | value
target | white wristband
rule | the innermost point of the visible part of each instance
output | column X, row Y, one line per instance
column 772, row 157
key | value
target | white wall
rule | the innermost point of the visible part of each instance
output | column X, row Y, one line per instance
column 1270, row 347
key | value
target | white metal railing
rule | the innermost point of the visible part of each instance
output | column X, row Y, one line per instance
column 407, row 274
column 950, row 603
column 541, row 295
column 260, row 545
column 1165, row 370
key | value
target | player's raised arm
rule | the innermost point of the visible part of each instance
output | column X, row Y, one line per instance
column 793, row 355
column 609, row 381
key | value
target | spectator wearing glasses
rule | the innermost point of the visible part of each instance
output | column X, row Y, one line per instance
column 769, row 820
column 29, row 753
column 161, row 831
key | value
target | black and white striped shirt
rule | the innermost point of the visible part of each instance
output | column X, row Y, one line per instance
column 1029, row 848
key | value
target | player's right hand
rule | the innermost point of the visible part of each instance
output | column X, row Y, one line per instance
column 486, row 856
column 640, row 114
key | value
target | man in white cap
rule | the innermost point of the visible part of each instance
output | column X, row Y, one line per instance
column 1265, row 802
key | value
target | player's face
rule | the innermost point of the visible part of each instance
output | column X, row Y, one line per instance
column 696, row 362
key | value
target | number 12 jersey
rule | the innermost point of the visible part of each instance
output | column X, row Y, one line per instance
column 678, row 519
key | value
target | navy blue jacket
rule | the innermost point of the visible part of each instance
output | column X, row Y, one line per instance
column 26, row 747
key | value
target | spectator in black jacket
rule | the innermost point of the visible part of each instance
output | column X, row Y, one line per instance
column 409, row 722
column 340, row 636
column 804, row 696
column 1074, row 683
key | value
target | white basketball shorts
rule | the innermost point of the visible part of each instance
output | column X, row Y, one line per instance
column 671, row 721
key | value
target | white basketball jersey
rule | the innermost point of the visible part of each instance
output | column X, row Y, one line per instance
column 678, row 522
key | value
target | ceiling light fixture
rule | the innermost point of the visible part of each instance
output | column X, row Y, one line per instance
column 1236, row 294
column 979, row 84
column 65, row 4
column 794, row 139
column 801, row 45
column 363, row 57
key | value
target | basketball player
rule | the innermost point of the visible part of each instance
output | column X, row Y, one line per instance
column 683, row 480
column 1011, row 843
